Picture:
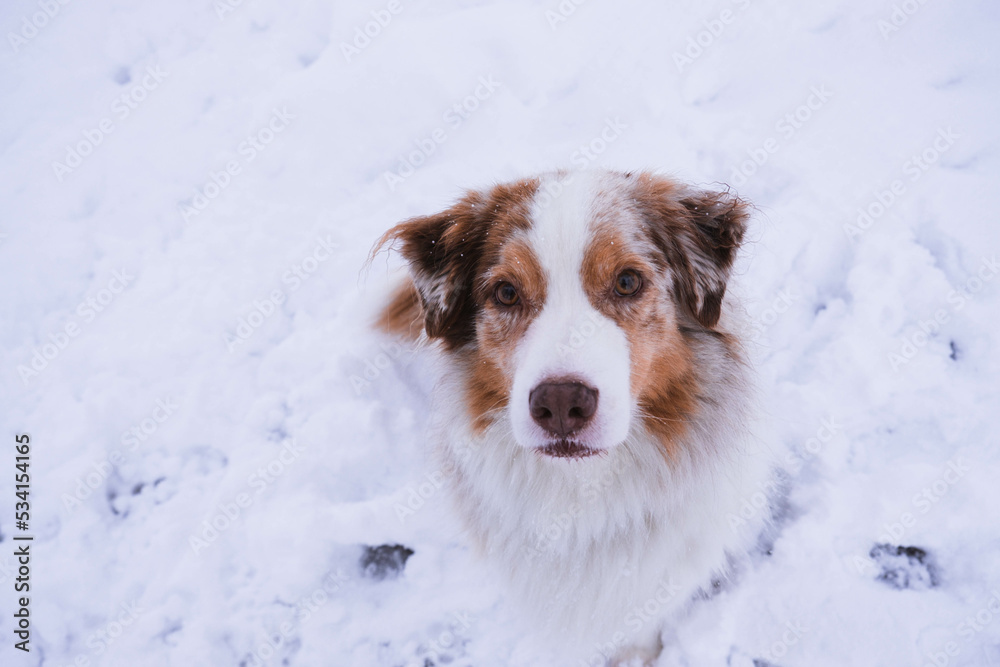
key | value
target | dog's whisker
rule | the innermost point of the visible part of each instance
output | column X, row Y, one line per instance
column 647, row 415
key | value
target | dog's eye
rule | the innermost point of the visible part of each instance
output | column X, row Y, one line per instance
column 627, row 283
column 506, row 294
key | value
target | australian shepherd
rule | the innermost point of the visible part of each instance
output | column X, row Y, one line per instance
column 597, row 417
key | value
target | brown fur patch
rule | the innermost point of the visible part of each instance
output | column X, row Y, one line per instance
column 613, row 250
column 699, row 233
column 492, row 368
column 488, row 389
column 668, row 393
column 403, row 315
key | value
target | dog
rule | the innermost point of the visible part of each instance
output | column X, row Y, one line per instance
column 597, row 414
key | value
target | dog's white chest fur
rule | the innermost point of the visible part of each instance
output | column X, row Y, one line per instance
column 602, row 551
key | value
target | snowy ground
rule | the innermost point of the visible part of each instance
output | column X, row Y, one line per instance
column 188, row 191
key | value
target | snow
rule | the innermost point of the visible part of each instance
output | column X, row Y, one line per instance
column 139, row 298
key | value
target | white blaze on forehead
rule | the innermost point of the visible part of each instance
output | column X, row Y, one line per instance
column 560, row 229
column 569, row 337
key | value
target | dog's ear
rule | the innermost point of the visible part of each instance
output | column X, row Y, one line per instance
column 443, row 251
column 700, row 233
column 717, row 222
column 447, row 252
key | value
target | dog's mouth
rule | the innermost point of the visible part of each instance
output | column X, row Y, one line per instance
column 567, row 449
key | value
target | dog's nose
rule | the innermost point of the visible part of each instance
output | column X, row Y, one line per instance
column 562, row 408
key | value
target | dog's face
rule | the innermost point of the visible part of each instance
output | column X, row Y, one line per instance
column 570, row 301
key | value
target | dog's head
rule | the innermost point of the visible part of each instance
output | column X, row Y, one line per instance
column 571, row 301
